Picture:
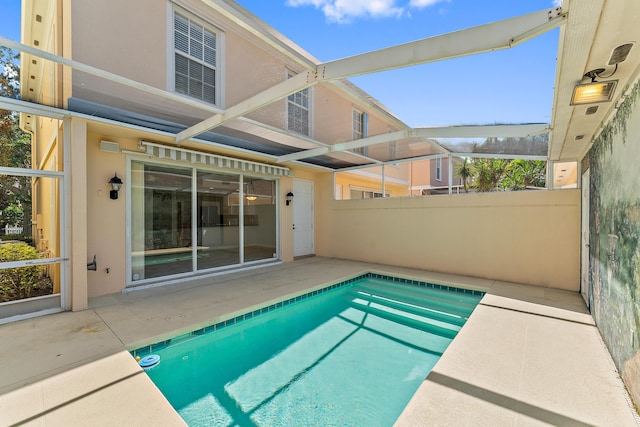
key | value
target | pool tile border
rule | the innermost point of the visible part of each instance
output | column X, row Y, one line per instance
column 232, row 321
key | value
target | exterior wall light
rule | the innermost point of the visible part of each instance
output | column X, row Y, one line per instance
column 592, row 92
column 289, row 198
column 116, row 184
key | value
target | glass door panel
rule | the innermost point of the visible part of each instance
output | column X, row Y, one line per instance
column 260, row 230
column 161, row 221
column 218, row 220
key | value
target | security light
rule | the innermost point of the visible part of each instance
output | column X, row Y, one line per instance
column 591, row 93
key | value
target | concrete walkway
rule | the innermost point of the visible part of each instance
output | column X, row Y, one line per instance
column 527, row 356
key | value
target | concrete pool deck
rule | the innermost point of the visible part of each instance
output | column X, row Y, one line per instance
column 527, row 356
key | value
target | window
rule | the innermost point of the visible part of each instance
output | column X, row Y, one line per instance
column 392, row 150
column 439, row 169
column 360, row 130
column 298, row 112
column 364, row 193
column 195, row 55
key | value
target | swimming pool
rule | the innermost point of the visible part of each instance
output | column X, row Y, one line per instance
column 351, row 354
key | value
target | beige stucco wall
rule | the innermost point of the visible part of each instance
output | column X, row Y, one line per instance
column 525, row 237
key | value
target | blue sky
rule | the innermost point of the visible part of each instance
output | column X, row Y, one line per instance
column 508, row 86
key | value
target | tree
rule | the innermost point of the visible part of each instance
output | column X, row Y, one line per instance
column 489, row 173
column 15, row 145
column 465, row 172
column 525, row 173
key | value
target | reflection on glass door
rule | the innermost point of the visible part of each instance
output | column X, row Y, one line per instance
column 161, row 221
column 218, row 220
column 259, row 219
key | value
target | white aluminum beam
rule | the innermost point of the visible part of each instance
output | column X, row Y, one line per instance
column 281, row 90
column 485, row 38
column 500, row 156
column 481, row 131
column 30, row 108
column 498, row 131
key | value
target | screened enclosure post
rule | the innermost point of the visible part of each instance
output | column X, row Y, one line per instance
column 450, row 158
column 384, row 193
column 550, row 165
column 65, row 216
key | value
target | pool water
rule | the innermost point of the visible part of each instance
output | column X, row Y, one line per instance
column 352, row 356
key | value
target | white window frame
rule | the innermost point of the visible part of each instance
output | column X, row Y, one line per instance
column 290, row 100
column 218, row 83
column 439, row 169
column 359, row 129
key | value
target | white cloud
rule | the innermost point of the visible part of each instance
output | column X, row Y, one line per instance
column 557, row 3
column 343, row 11
column 421, row 4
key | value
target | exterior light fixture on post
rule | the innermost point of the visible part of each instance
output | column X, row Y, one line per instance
column 289, row 198
column 116, row 184
column 593, row 92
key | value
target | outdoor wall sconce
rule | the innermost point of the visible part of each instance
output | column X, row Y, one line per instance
column 116, row 184
column 289, row 198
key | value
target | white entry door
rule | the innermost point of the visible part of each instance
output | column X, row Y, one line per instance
column 584, row 270
column 302, row 218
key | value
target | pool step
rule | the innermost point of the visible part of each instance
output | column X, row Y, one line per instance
column 408, row 307
column 469, row 300
column 423, row 325
column 438, row 302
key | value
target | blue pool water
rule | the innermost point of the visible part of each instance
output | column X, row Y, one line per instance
column 351, row 356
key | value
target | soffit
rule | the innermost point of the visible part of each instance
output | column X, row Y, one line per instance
column 593, row 29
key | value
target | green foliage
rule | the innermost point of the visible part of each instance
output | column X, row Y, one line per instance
column 504, row 175
column 15, row 145
column 618, row 124
column 13, row 215
column 21, row 282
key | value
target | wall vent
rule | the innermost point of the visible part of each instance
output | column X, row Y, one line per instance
column 591, row 110
column 111, row 147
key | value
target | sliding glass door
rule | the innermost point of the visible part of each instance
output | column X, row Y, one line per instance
column 187, row 220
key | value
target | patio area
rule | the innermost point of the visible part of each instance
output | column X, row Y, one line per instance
column 527, row 356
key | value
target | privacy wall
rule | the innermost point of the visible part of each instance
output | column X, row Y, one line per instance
column 615, row 237
column 527, row 237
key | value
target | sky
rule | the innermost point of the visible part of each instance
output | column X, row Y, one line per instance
column 508, row 86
